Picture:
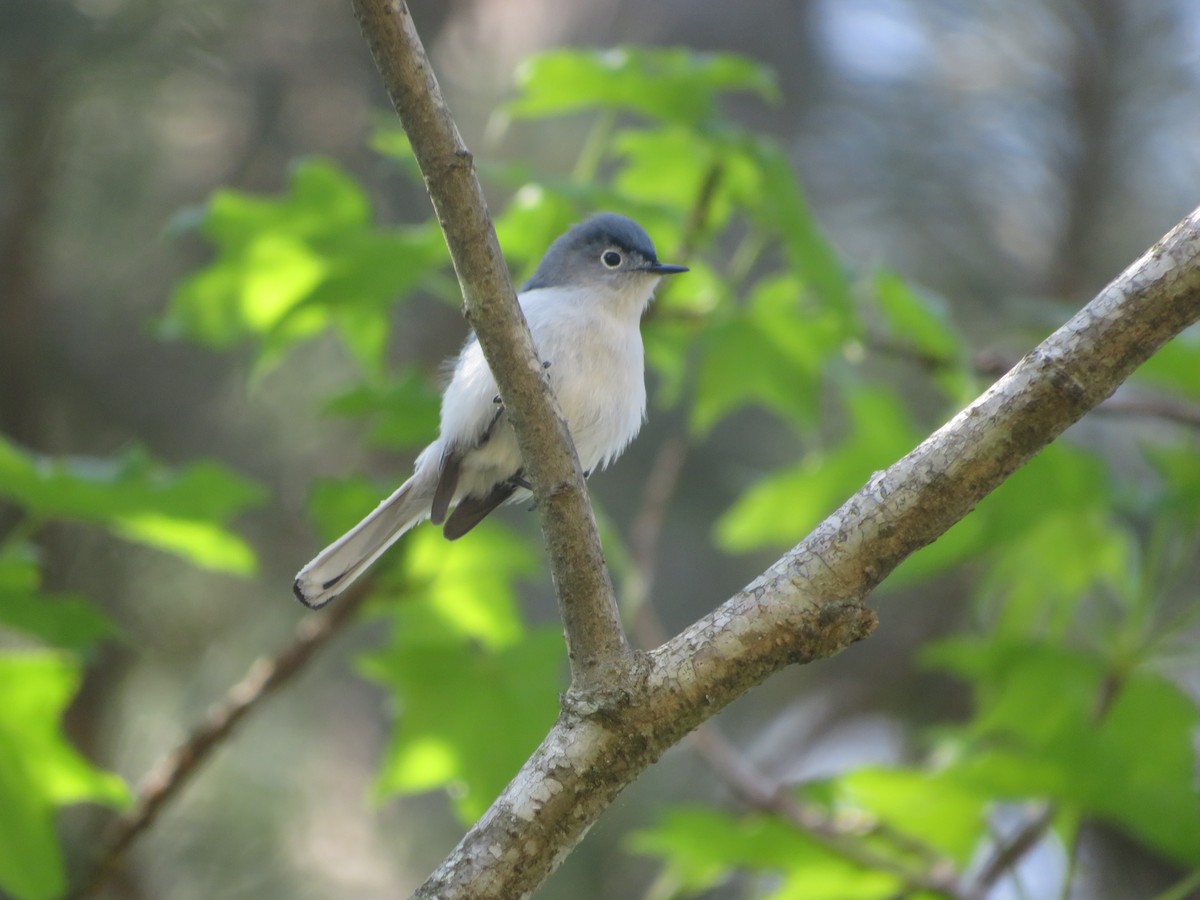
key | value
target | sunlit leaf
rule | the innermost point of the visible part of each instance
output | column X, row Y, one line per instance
column 920, row 323
column 1060, row 486
column 677, row 85
column 529, row 224
column 467, row 715
column 777, row 204
column 61, row 620
column 1057, row 723
column 1042, row 573
column 770, row 352
column 184, row 512
column 1175, row 366
column 787, row 504
column 287, row 268
column 935, row 808
column 40, row 771
column 703, row 848
column 335, row 505
column 469, row 585
column 680, row 169
column 403, row 411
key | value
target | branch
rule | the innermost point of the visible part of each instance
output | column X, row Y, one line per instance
column 738, row 773
column 596, row 642
column 1008, row 854
column 758, row 792
column 807, row 605
column 988, row 363
column 173, row 771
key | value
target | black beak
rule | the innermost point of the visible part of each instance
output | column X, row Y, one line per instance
column 657, row 268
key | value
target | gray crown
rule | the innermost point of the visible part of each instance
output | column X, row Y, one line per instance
column 574, row 258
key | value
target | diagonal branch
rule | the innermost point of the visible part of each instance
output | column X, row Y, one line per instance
column 807, row 605
column 1008, row 853
column 596, row 641
column 758, row 792
column 175, row 770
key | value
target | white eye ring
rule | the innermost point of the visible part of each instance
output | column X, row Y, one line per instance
column 611, row 258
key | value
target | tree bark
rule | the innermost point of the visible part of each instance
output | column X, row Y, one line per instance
column 596, row 642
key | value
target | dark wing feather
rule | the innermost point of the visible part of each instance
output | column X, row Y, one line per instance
column 451, row 464
column 472, row 510
column 447, row 482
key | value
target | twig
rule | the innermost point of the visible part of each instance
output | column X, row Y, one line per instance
column 172, row 772
column 1183, row 889
column 756, row 791
column 645, row 533
column 1006, row 855
column 992, row 365
column 1158, row 408
column 697, row 220
column 596, row 643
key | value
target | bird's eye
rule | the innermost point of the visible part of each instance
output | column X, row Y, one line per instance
column 610, row 258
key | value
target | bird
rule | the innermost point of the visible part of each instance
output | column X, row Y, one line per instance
column 584, row 305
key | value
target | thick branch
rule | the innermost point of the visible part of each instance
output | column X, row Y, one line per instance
column 806, row 606
column 595, row 639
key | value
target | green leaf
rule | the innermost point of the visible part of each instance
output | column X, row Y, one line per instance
column 468, row 716
column 531, row 221
column 403, row 409
column 182, row 512
column 336, row 505
column 40, row 771
column 1042, row 574
column 67, row 621
column 1064, row 490
column 778, row 206
column 936, row 808
column 468, row 586
column 770, row 352
column 389, row 139
column 784, row 506
column 703, row 848
column 672, row 166
column 474, row 690
column 1176, row 366
column 1178, row 495
column 922, row 324
column 675, row 85
column 288, row 268
column 1059, row 724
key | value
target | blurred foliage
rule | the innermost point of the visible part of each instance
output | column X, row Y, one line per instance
column 1073, row 563
column 39, row 770
column 1092, row 747
column 184, row 512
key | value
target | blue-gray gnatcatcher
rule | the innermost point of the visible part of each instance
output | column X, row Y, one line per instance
column 583, row 305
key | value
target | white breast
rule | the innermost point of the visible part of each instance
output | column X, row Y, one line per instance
column 597, row 367
column 594, row 347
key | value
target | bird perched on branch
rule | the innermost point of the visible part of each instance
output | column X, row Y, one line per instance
column 584, row 306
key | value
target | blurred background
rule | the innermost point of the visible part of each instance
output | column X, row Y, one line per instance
column 1009, row 155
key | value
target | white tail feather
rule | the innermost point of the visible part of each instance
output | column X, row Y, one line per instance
column 337, row 566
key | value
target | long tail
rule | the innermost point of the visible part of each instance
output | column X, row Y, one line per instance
column 337, row 566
